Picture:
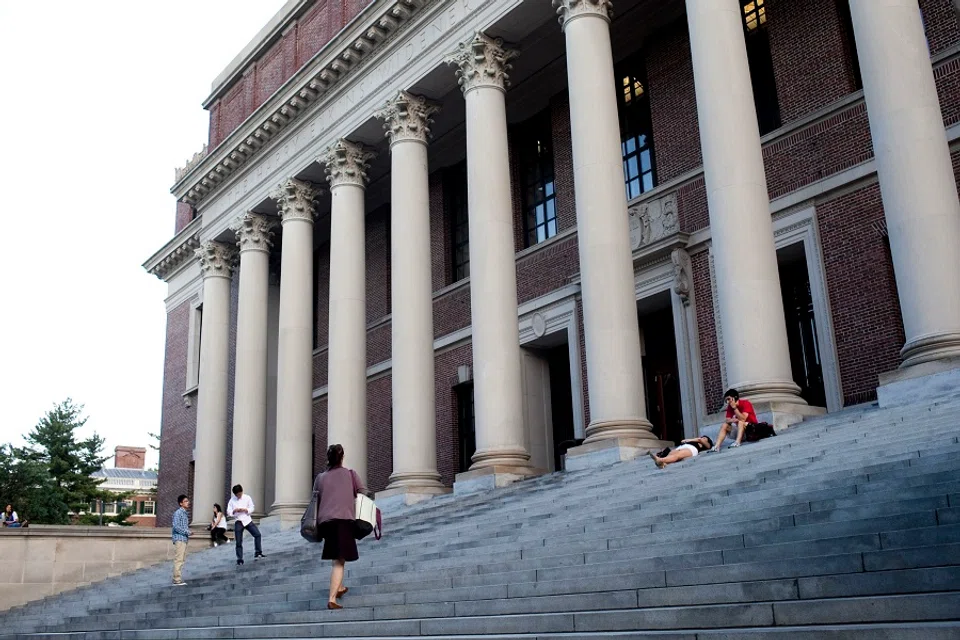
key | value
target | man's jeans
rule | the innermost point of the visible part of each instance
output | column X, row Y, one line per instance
column 238, row 537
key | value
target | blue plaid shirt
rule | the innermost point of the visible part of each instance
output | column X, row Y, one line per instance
column 181, row 526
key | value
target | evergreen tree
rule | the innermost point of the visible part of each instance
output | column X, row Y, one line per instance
column 26, row 485
column 68, row 462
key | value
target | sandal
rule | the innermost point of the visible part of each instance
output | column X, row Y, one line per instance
column 342, row 591
column 334, row 605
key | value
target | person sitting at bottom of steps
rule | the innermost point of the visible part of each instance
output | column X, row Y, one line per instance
column 240, row 507
column 740, row 413
column 689, row 448
column 337, row 490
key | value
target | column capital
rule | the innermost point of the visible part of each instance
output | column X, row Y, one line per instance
column 483, row 62
column 347, row 163
column 408, row 117
column 571, row 9
column 295, row 200
column 254, row 232
column 217, row 259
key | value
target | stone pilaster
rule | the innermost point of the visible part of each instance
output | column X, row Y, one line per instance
column 346, row 167
column 216, row 264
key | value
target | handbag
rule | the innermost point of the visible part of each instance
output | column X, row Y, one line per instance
column 309, row 527
column 367, row 518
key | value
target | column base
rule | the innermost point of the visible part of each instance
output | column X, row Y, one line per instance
column 929, row 349
column 491, row 477
column 638, row 429
column 287, row 515
column 779, row 391
column 782, row 415
column 603, row 453
column 391, row 499
column 928, row 381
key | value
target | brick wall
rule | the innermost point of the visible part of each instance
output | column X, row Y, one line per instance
column 129, row 457
column 179, row 423
column 447, row 426
column 940, row 21
column 301, row 40
column 184, row 216
column 863, row 297
column 706, row 329
column 562, row 162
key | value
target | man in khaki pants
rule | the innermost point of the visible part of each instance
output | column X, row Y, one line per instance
column 180, row 535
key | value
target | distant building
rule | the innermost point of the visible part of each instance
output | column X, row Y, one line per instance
column 128, row 475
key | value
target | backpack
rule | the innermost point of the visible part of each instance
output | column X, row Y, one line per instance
column 758, row 431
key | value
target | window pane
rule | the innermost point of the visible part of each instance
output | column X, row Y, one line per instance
column 550, row 188
column 551, row 209
column 645, row 160
column 630, row 145
column 633, row 188
column 552, row 228
column 647, row 181
column 632, row 171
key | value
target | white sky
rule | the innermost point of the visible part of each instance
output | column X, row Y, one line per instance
column 99, row 101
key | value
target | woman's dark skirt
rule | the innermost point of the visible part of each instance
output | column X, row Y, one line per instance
column 338, row 540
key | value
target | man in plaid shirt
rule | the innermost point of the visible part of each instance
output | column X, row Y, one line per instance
column 180, row 535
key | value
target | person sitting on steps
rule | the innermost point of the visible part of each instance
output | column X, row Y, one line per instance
column 689, row 448
column 740, row 413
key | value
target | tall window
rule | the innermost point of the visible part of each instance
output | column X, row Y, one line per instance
column 455, row 202
column 761, row 64
column 535, row 151
column 466, row 424
column 636, row 128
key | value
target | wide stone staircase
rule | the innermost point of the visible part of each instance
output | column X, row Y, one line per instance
column 847, row 526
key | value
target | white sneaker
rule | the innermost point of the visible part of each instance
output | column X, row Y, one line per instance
column 735, row 444
column 179, row 584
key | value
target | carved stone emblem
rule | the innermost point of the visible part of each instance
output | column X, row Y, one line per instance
column 539, row 325
column 682, row 274
column 653, row 221
column 408, row 117
column 483, row 62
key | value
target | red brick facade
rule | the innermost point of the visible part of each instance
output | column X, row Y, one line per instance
column 825, row 132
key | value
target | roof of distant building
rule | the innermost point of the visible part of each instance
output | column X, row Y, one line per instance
column 137, row 474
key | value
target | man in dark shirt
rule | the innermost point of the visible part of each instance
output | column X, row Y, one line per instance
column 740, row 413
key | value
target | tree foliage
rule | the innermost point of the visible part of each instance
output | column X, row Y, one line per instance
column 51, row 477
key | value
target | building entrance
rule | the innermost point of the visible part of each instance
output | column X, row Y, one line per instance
column 547, row 399
column 798, row 311
column 661, row 372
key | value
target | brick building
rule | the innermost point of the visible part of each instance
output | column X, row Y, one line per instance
column 128, row 476
column 683, row 196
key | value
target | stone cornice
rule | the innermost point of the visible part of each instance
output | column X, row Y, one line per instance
column 176, row 253
column 318, row 77
column 482, row 62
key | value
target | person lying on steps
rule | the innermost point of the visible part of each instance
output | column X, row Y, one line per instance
column 689, row 448
column 740, row 413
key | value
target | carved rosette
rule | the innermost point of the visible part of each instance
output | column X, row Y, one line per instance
column 483, row 62
column 567, row 10
column 254, row 232
column 682, row 274
column 347, row 163
column 216, row 259
column 295, row 200
column 408, row 117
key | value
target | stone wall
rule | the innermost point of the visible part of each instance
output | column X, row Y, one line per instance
column 46, row 560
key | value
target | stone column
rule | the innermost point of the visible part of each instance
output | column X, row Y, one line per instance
column 346, row 165
column 916, row 174
column 254, row 235
column 483, row 65
column 216, row 265
column 295, row 352
column 407, row 123
column 614, row 374
column 741, row 227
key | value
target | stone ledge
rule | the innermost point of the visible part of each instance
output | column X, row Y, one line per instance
column 926, row 381
column 602, row 453
column 494, row 477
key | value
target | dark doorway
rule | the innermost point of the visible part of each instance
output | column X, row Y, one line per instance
column 561, row 400
column 801, row 324
column 466, row 425
column 661, row 373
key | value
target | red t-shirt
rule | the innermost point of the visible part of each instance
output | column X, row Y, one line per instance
column 745, row 407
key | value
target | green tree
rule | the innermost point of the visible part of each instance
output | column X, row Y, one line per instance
column 68, row 462
column 26, row 485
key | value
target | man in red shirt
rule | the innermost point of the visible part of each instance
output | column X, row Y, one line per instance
column 739, row 413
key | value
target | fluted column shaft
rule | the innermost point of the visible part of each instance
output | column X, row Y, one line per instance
column 406, row 120
column 755, row 347
column 295, row 352
column 614, row 374
column 346, row 164
column 483, row 65
column 216, row 265
column 254, row 234
column 916, row 174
